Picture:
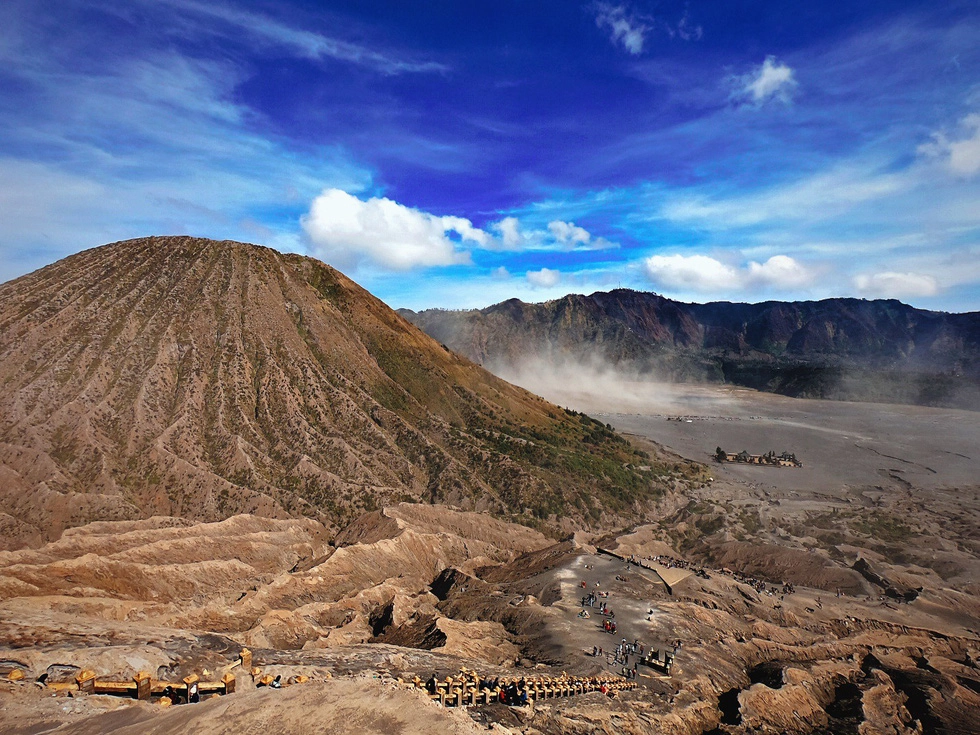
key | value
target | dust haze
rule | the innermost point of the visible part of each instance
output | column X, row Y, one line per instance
column 599, row 386
column 847, row 447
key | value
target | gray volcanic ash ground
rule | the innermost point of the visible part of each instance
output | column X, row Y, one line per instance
column 890, row 483
column 843, row 445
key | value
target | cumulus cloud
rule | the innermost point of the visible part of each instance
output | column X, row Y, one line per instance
column 962, row 155
column 623, row 28
column 780, row 271
column 771, row 81
column 568, row 233
column 697, row 272
column 544, row 278
column 704, row 274
column 509, row 230
column 559, row 235
column 896, row 285
column 346, row 230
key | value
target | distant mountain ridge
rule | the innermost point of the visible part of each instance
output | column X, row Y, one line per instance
column 834, row 348
column 182, row 376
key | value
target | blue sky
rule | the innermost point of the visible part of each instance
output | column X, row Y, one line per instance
column 456, row 154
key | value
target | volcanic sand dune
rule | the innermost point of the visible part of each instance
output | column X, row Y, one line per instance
column 354, row 707
column 517, row 604
column 271, row 583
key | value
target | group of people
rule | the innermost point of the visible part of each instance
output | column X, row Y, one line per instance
column 624, row 650
column 760, row 585
column 622, row 655
column 671, row 562
column 635, row 647
column 514, row 693
column 590, row 601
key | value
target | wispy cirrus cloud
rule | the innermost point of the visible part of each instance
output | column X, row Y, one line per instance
column 687, row 29
column 272, row 32
column 629, row 29
column 826, row 193
column 624, row 28
column 135, row 143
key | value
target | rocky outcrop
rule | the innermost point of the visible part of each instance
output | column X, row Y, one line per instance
column 892, row 589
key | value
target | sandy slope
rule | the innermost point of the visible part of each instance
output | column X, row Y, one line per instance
column 352, row 707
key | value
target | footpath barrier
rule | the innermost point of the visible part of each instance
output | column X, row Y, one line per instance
column 144, row 687
column 465, row 689
column 469, row 689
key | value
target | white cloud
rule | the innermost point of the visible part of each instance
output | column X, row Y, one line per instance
column 623, row 28
column 500, row 273
column 346, row 230
column 567, row 233
column 509, row 229
column 962, row 156
column 559, row 235
column 896, row 285
column 772, row 80
column 697, row 272
column 780, row 271
column 704, row 274
column 544, row 278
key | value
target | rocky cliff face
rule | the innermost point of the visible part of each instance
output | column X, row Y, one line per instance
column 201, row 379
column 836, row 348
